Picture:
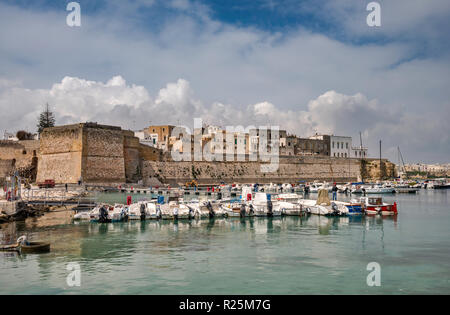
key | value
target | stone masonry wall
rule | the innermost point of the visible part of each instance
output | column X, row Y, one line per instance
column 6, row 166
column 20, row 151
column 103, row 156
column 291, row 169
column 60, row 154
column 133, row 164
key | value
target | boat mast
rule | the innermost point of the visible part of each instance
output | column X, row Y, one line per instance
column 403, row 162
column 381, row 177
column 362, row 155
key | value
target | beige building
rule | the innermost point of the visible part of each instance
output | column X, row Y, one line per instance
column 159, row 136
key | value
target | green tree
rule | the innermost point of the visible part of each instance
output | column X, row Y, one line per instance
column 46, row 119
column 24, row 135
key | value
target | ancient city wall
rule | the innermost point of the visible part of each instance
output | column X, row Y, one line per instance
column 103, row 154
column 60, row 154
column 20, row 151
column 6, row 166
column 131, row 156
column 372, row 169
column 291, row 169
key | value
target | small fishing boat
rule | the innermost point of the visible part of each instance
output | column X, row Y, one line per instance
column 35, row 247
column 323, row 205
column 233, row 209
column 119, row 213
column 175, row 209
column 315, row 188
column 379, row 189
column 376, row 206
column 262, row 206
column 143, row 210
column 101, row 213
column 289, row 208
column 25, row 246
column 82, row 216
column 205, row 209
column 289, row 204
column 354, row 207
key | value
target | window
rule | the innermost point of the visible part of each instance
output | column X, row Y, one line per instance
column 345, row 154
column 346, row 145
column 333, row 144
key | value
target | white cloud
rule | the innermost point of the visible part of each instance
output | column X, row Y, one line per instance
column 130, row 106
column 382, row 89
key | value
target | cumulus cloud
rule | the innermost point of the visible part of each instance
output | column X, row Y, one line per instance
column 390, row 89
column 130, row 106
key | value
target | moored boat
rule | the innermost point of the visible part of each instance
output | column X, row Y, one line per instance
column 263, row 206
column 376, row 206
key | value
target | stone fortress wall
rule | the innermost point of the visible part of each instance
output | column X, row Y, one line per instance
column 291, row 170
column 109, row 155
column 95, row 153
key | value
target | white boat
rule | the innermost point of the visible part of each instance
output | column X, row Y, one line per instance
column 261, row 206
column 356, row 189
column 289, row 204
column 376, row 206
column 323, row 205
column 119, row 213
column 175, row 210
column 83, row 215
column 234, row 209
column 378, row 189
column 94, row 214
column 205, row 209
column 289, row 208
column 142, row 210
column 314, row 188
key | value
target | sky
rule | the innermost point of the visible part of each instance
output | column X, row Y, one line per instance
column 311, row 66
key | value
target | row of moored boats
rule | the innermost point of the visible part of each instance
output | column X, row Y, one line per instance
column 250, row 204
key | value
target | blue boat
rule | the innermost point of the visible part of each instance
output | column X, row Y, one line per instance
column 354, row 209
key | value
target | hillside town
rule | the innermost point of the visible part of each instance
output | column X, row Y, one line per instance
column 161, row 137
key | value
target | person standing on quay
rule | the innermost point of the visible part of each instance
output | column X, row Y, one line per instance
column 334, row 190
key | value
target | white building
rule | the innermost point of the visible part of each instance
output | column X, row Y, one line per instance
column 341, row 147
column 144, row 137
column 358, row 152
column 9, row 136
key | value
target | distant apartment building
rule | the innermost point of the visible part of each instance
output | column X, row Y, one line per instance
column 359, row 152
column 255, row 140
column 158, row 136
column 216, row 140
column 341, row 146
column 146, row 138
column 431, row 169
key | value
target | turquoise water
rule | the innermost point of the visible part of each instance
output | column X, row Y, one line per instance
column 291, row 255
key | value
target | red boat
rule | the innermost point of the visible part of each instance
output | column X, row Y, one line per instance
column 376, row 206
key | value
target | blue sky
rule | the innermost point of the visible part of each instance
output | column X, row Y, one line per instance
column 309, row 66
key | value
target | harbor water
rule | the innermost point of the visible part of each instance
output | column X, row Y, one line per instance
column 288, row 255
